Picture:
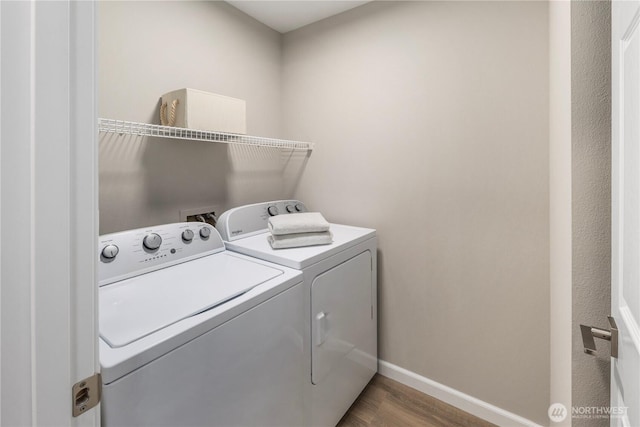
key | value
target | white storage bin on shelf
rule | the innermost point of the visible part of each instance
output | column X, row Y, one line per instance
column 196, row 109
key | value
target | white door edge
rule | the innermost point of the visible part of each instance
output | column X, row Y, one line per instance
column 48, row 204
column 625, row 203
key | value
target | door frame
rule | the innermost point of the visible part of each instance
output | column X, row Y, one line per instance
column 48, row 210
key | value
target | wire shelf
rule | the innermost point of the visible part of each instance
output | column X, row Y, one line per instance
column 144, row 129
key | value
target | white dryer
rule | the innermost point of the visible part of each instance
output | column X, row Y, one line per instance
column 194, row 335
column 340, row 303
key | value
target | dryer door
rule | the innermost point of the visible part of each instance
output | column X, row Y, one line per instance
column 343, row 328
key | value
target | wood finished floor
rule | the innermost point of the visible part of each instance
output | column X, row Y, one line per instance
column 385, row 402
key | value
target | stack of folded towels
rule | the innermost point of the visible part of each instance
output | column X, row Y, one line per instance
column 299, row 229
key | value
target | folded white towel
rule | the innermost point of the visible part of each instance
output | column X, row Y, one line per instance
column 299, row 240
column 306, row 222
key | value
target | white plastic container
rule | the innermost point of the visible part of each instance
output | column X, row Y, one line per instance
column 201, row 110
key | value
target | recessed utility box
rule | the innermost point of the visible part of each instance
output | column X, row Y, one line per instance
column 196, row 109
column 205, row 214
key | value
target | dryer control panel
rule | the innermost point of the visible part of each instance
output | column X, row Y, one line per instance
column 248, row 220
column 133, row 252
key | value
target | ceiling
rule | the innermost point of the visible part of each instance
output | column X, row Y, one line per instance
column 285, row 16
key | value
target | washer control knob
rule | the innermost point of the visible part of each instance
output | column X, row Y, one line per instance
column 205, row 232
column 299, row 207
column 291, row 209
column 187, row 235
column 110, row 251
column 152, row 241
column 272, row 210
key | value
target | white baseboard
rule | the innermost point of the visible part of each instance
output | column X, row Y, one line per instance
column 467, row 403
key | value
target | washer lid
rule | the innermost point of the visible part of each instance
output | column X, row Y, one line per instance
column 136, row 307
column 344, row 236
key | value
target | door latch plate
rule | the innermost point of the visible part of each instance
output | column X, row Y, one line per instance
column 86, row 394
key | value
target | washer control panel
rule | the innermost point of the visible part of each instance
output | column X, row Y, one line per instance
column 248, row 220
column 131, row 253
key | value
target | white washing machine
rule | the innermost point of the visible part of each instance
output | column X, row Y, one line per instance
column 194, row 335
column 340, row 303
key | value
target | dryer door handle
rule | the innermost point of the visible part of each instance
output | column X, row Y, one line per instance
column 321, row 328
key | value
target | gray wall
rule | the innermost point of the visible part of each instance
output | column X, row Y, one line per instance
column 591, row 198
column 431, row 124
column 150, row 48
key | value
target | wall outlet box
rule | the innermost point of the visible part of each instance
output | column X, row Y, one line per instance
column 201, row 110
column 208, row 213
